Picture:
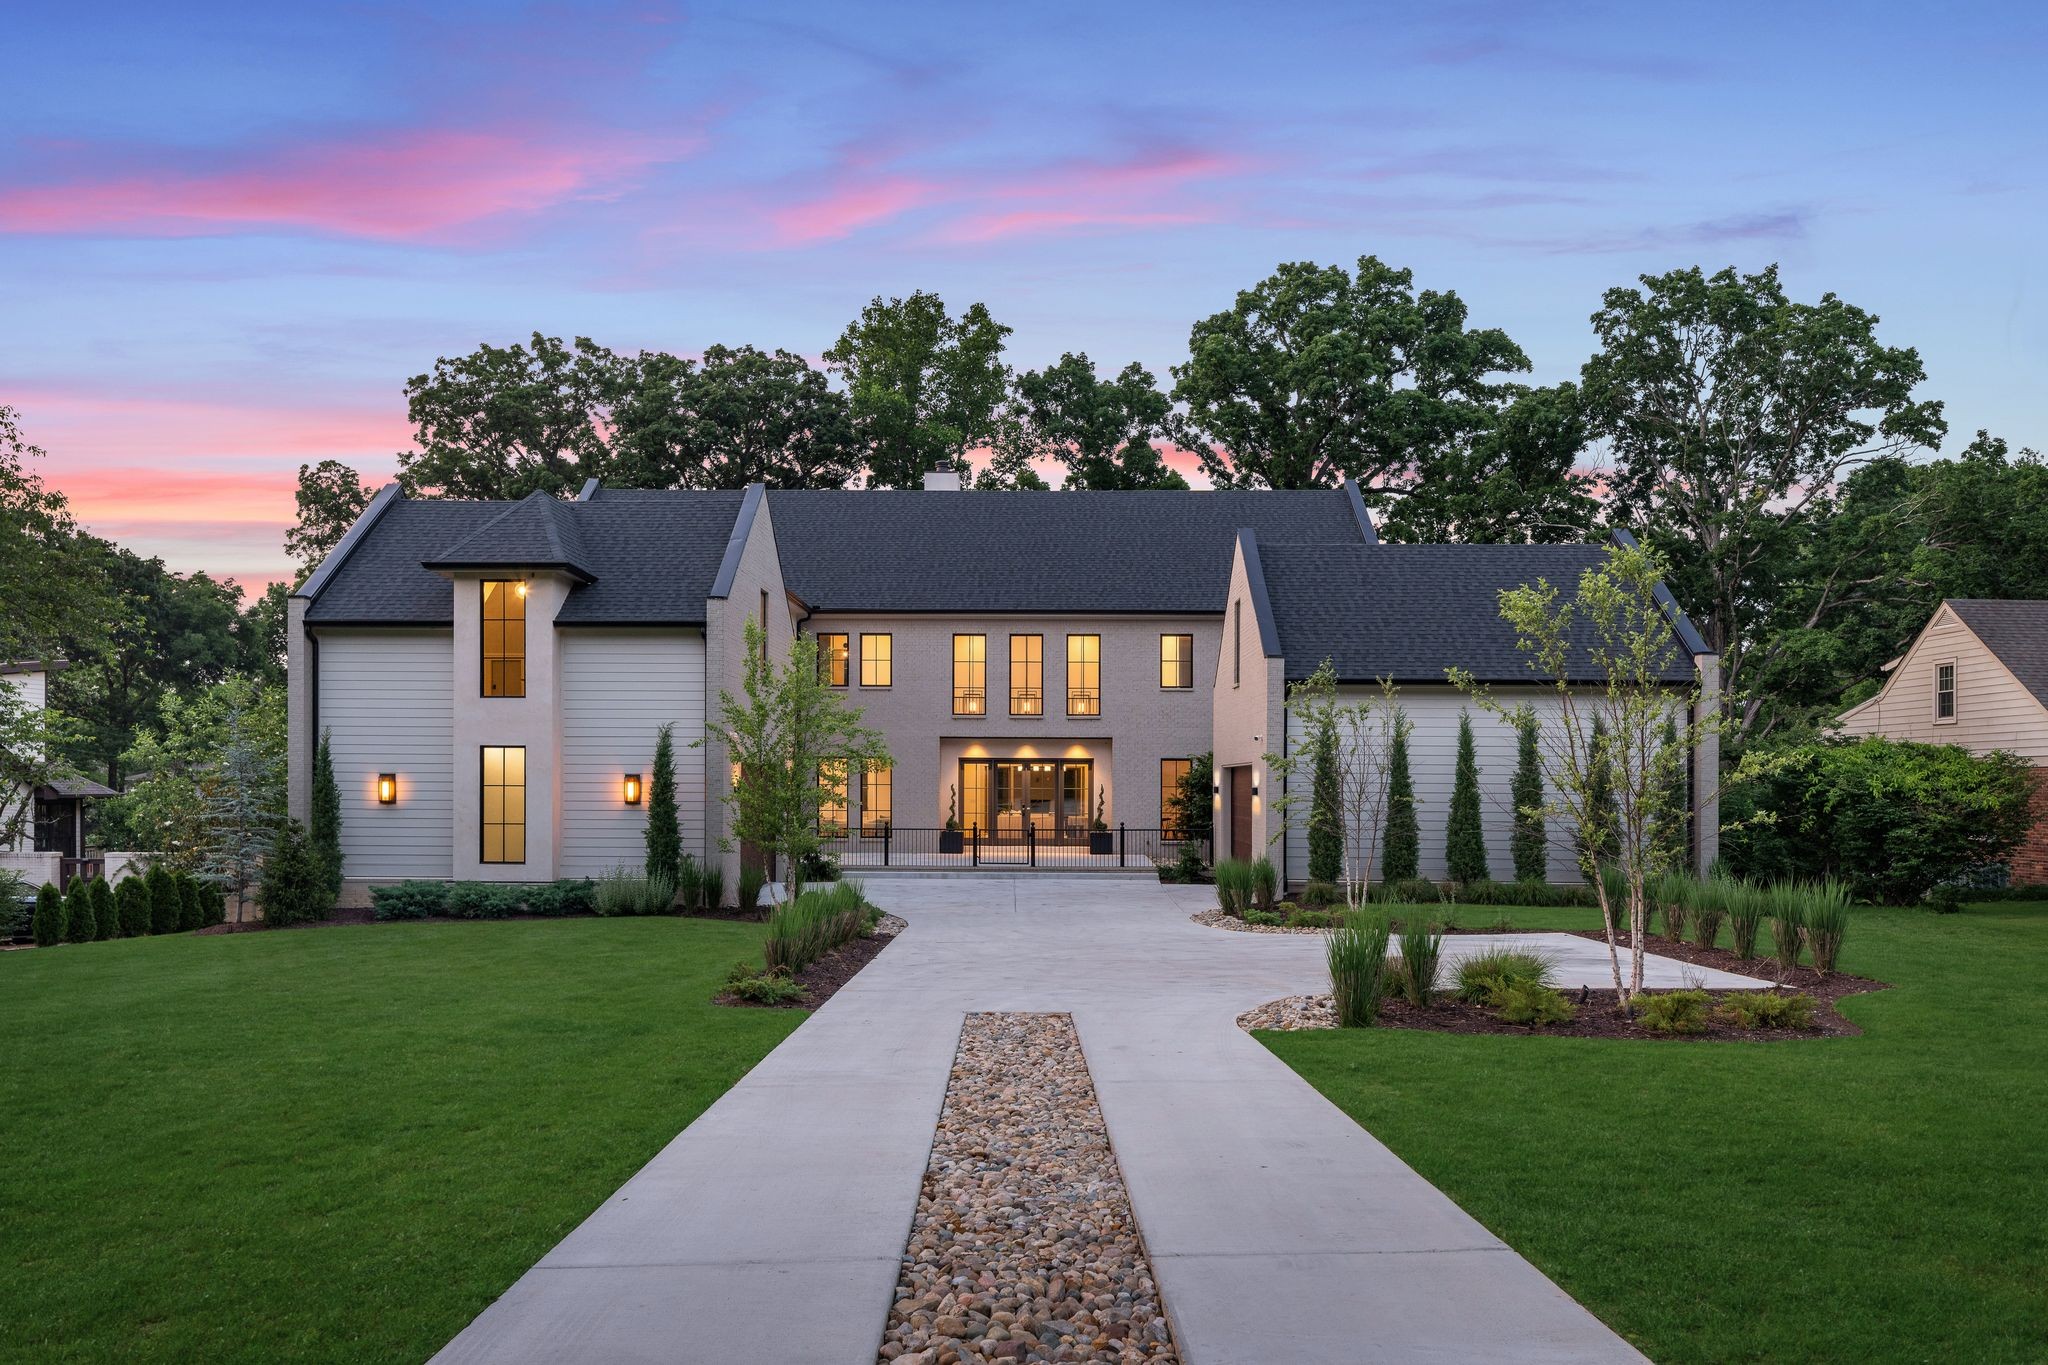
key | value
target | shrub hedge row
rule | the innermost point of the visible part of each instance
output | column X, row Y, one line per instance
column 482, row 900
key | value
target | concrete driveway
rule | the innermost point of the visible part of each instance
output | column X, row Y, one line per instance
column 1280, row 1231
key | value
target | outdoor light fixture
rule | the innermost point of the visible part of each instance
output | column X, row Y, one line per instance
column 387, row 789
column 632, row 789
column 521, row 589
column 1255, row 786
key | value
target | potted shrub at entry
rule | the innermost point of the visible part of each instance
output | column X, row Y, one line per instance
column 950, row 838
column 1100, row 840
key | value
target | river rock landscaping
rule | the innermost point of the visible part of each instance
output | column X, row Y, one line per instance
column 1024, row 1246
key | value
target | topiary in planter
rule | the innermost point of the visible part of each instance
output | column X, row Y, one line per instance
column 47, row 924
column 131, row 905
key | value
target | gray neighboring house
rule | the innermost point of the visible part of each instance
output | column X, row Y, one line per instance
column 493, row 673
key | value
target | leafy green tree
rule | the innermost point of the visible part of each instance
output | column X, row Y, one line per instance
column 505, row 421
column 106, row 919
column 166, row 905
column 924, row 386
column 1512, row 479
column 784, row 728
column 1528, row 843
column 331, row 497
column 262, row 631
column 1401, row 856
column 324, row 829
column 292, row 890
column 47, row 924
column 1465, row 830
column 741, row 416
column 78, row 918
column 182, row 752
column 51, row 583
column 1102, row 430
column 1732, row 414
column 664, row 833
column 131, row 903
column 1192, row 804
column 1318, row 373
column 1326, row 802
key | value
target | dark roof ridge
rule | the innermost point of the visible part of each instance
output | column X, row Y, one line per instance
column 497, row 542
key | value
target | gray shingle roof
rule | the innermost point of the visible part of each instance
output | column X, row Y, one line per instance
column 654, row 554
column 382, row 582
column 1408, row 612
column 1035, row 552
column 2016, row 631
column 537, row 532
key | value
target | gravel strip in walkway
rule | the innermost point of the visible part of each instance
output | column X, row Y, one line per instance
column 1024, row 1247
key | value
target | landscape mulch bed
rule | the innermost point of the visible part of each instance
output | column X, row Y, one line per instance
column 823, row 978
column 1802, row 979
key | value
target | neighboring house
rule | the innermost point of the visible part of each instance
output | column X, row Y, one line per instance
column 492, row 673
column 51, row 847
column 1977, row 676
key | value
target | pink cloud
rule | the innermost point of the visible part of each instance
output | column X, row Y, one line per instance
column 76, row 426
column 848, row 209
column 405, row 186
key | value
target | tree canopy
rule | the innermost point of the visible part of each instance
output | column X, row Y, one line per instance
column 1102, row 430
column 924, row 386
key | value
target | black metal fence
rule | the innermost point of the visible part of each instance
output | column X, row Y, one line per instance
column 1072, row 848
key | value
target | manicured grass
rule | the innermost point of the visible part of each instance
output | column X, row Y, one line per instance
column 335, row 1144
column 1874, row 1198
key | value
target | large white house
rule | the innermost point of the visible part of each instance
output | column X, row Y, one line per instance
column 492, row 674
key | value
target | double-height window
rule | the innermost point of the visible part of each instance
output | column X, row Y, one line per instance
column 1027, row 675
column 1084, row 675
column 1177, row 662
column 970, row 675
column 504, row 638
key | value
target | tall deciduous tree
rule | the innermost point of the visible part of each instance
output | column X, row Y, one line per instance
column 51, row 585
column 1318, row 373
column 505, row 421
column 1464, row 829
column 1732, row 413
column 924, row 386
column 741, row 416
column 1528, row 844
column 330, row 497
column 1101, row 430
column 1513, row 479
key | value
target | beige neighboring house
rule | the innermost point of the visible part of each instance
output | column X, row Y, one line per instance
column 52, row 845
column 1976, row 676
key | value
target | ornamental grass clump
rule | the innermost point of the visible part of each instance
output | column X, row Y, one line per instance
column 1788, row 922
column 1674, row 893
column 1422, row 947
column 1827, row 923
column 1234, row 886
column 620, row 891
column 752, row 879
column 1357, row 954
column 1265, row 884
column 1484, row 977
column 1746, row 902
column 1709, row 908
column 803, row 930
column 711, row 888
column 689, row 880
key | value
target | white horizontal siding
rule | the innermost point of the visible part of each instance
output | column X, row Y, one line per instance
column 618, row 689
column 1993, row 711
column 385, row 700
column 1432, row 759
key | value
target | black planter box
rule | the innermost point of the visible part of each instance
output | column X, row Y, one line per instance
column 952, row 841
column 1102, row 841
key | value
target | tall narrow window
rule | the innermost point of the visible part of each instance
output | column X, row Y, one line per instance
column 1177, row 661
column 504, row 638
column 832, row 805
column 504, row 804
column 1945, row 691
column 970, row 675
column 832, row 660
column 1237, row 642
column 1084, row 675
column 1171, row 771
column 764, row 623
column 874, row 660
column 877, row 809
column 1027, row 675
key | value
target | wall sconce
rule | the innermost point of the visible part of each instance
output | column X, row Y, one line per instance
column 520, row 590
column 1255, row 787
column 632, row 789
column 387, row 789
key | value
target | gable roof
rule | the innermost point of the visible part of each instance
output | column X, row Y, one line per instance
column 537, row 532
column 1166, row 552
column 2015, row 631
column 1409, row 612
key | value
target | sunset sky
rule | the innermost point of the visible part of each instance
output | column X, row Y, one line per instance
column 229, row 233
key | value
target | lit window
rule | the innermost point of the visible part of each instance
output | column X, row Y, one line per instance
column 1945, row 691
column 504, row 639
column 1027, row 675
column 1084, row 675
column 832, row 808
column 970, row 675
column 876, row 809
column 504, row 805
column 1171, row 771
column 1177, row 661
column 874, row 660
column 832, row 660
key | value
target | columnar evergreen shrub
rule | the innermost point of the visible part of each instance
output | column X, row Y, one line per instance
column 214, row 900
column 131, row 903
column 325, row 826
column 664, row 834
column 164, row 905
column 1597, row 844
column 106, row 920
column 1528, row 844
column 191, row 904
column 1465, row 831
column 1326, row 800
column 1401, row 856
column 47, row 925
column 78, row 918
column 1668, row 821
column 294, row 885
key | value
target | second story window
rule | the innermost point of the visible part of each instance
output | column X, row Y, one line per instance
column 1236, row 643
column 970, row 675
column 875, row 667
column 1084, row 675
column 1945, row 691
column 504, row 638
column 1027, row 675
column 1177, row 661
column 832, row 660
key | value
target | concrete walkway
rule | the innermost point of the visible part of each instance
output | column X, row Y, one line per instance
column 770, row 1229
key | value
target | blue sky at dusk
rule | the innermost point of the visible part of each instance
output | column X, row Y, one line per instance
column 229, row 233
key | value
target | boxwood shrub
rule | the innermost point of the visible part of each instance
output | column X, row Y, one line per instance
column 409, row 900
column 482, row 900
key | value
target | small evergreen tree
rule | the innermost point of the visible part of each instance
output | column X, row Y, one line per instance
column 1326, row 804
column 47, row 924
column 78, row 921
column 166, row 907
column 241, row 820
column 191, row 904
column 1465, row 831
column 325, row 828
column 1596, row 845
column 1528, row 843
column 1401, row 858
column 106, row 920
column 1668, row 835
column 213, row 903
column 293, row 889
column 131, row 902
column 664, row 835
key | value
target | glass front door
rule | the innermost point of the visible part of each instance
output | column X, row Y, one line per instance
column 1003, row 796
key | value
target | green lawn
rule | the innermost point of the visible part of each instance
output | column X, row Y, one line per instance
column 335, row 1144
column 1874, row 1198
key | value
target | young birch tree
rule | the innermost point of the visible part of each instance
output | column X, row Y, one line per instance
column 1360, row 737
column 1606, row 652
column 785, row 728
